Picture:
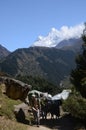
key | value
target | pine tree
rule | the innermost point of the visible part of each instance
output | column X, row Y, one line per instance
column 78, row 75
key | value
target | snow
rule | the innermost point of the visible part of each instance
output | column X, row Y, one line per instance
column 55, row 36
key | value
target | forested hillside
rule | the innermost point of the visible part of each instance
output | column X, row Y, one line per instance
column 49, row 63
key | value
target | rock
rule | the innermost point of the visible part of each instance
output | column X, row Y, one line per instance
column 15, row 89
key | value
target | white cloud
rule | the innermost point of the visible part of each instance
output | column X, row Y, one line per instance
column 55, row 36
column 70, row 32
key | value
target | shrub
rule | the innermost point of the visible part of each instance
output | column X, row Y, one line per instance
column 76, row 106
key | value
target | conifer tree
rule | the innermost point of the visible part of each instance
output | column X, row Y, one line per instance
column 78, row 75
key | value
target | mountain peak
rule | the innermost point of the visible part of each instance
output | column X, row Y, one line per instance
column 55, row 36
column 3, row 51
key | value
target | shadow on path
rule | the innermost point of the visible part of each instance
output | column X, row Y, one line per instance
column 64, row 123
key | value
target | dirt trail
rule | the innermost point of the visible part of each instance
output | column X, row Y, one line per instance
column 65, row 122
column 38, row 128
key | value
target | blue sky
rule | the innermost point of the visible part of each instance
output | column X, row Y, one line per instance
column 22, row 21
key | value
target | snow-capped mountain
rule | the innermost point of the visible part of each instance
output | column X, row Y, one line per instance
column 55, row 36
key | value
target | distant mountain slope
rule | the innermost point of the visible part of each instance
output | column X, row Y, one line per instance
column 73, row 44
column 3, row 52
column 49, row 63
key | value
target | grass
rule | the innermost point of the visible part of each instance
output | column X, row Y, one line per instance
column 7, row 104
column 7, row 124
column 7, row 116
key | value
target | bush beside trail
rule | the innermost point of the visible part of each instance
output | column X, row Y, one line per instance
column 76, row 106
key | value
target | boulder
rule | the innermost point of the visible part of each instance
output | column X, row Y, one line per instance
column 15, row 89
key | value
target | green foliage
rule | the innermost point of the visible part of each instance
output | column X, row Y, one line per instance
column 78, row 76
column 76, row 105
column 40, row 84
column 49, row 63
